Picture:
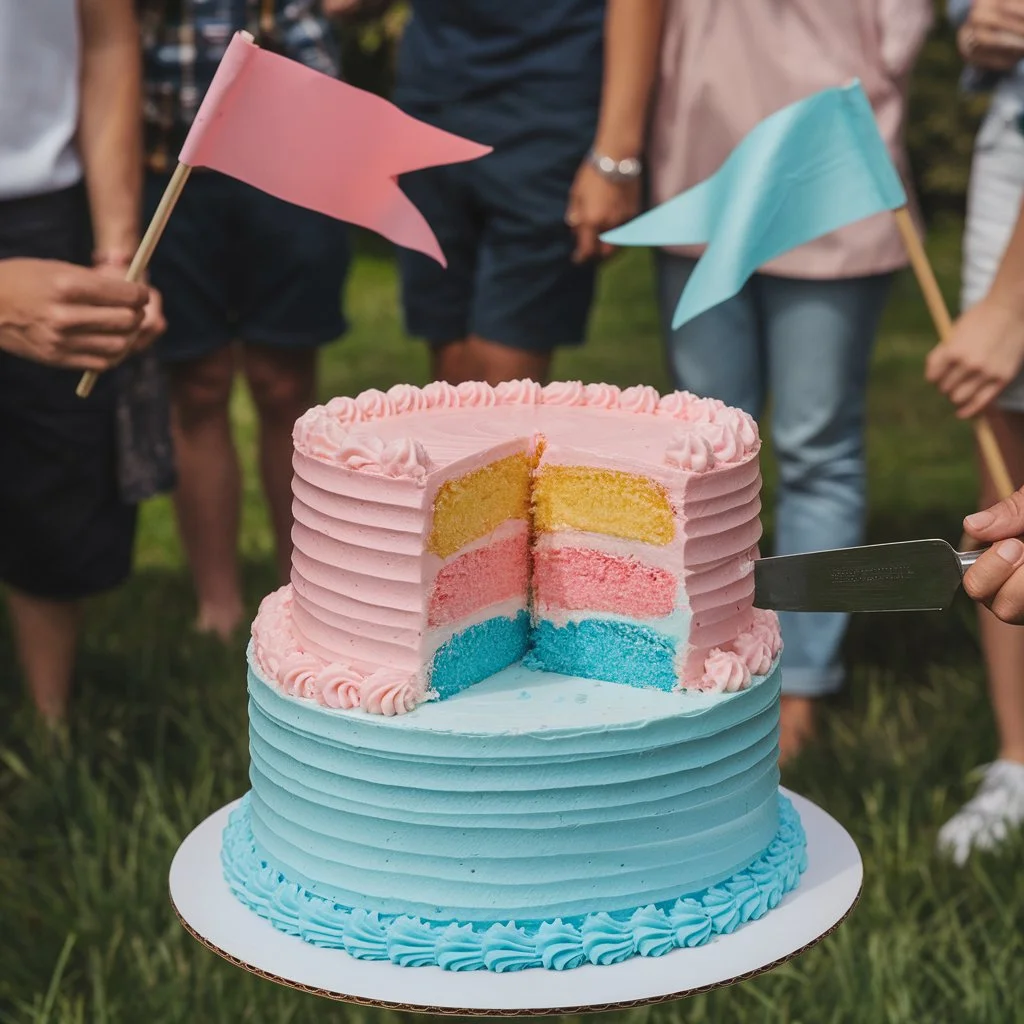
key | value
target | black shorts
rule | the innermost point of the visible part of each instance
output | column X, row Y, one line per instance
column 65, row 533
column 501, row 223
column 235, row 264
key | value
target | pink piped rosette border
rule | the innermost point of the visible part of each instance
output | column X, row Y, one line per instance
column 389, row 691
column 708, row 433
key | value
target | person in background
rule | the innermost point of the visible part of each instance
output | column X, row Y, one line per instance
column 802, row 329
column 979, row 369
column 251, row 284
column 69, row 194
column 560, row 89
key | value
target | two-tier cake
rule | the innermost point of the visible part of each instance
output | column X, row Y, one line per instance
column 516, row 708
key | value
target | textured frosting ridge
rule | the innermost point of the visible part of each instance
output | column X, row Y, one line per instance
column 304, row 674
column 559, row 944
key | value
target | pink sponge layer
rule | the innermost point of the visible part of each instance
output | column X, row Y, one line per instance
column 581, row 579
column 480, row 578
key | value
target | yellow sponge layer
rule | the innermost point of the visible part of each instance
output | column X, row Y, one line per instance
column 473, row 505
column 602, row 501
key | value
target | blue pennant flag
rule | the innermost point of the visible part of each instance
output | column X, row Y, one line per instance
column 806, row 170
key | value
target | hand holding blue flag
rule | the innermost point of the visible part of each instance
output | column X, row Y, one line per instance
column 803, row 172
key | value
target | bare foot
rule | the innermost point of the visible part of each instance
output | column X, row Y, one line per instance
column 796, row 726
column 222, row 622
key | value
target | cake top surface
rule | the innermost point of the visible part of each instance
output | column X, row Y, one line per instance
column 411, row 432
column 518, row 701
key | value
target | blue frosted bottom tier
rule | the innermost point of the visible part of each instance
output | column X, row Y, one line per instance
column 478, row 652
column 617, row 652
column 691, row 919
column 528, row 797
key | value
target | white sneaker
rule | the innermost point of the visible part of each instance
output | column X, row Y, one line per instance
column 989, row 816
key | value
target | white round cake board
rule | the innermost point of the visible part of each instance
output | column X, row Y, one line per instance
column 828, row 890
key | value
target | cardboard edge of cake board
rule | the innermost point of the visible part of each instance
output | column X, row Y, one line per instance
column 452, row 1011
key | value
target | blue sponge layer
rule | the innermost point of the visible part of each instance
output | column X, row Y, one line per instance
column 479, row 652
column 619, row 652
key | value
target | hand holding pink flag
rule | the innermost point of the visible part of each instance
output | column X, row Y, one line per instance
column 313, row 141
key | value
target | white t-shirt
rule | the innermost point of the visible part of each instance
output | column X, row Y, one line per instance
column 40, row 65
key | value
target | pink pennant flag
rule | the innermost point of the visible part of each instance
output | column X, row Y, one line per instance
column 314, row 141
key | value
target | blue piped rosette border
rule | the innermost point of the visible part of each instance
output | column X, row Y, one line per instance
column 601, row 938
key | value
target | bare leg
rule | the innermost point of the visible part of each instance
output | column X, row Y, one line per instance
column 1002, row 644
column 283, row 385
column 46, row 637
column 208, row 496
column 476, row 358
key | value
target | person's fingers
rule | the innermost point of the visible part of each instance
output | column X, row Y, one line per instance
column 935, row 364
column 993, row 569
column 586, row 243
column 999, row 25
column 572, row 211
column 92, row 287
column 994, row 58
column 956, row 379
column 605, row 250
column 98, row 319
column 80, row 361
column 997, row 580
column 1000, row 521
column 985, row 395
column 107, row 347
column 965, row 391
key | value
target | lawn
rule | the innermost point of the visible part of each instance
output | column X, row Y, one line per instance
column 159, row 740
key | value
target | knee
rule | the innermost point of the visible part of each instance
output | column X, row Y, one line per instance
column 806, row 455
column 282, row 389
column 202, row 390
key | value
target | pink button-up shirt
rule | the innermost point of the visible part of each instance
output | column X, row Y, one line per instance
column 727, row 64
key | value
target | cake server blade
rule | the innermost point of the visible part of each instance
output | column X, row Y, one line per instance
column 915, row 575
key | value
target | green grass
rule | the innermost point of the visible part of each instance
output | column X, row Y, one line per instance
column 159, row 741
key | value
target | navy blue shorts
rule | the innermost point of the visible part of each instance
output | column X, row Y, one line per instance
column 65, row 532
column 235, row 264
column 501, row 224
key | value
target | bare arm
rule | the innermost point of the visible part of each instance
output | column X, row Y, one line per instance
column 1008, row 284
column 110, row 124
column 632, row 39
column 985, row 349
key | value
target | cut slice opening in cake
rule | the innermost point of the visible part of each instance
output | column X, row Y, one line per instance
column 478, row 608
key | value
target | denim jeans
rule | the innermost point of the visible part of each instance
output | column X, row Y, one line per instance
column 806, row 344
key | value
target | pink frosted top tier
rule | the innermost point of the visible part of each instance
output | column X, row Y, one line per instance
column 408, row 432
column 361, row 617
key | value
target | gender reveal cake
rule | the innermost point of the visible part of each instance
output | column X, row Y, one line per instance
column 515, row 708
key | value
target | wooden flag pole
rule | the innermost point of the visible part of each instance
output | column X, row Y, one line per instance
column 144, row 253
column 987, row 443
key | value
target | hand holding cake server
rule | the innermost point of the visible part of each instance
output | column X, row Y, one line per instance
column 916, row 575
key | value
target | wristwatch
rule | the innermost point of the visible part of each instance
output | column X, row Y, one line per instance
column 608, row 167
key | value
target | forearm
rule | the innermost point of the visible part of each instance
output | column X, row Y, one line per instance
column 109, row 129
column 632, row 36
column 1008, row 286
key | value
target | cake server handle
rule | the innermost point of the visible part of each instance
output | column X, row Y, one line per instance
column 968, row 558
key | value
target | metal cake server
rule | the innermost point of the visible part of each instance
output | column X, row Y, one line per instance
column 915, row 575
